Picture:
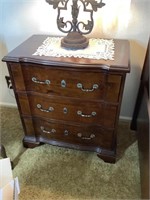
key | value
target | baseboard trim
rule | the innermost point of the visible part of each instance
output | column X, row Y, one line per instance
column 13, row 105
column 124, row 118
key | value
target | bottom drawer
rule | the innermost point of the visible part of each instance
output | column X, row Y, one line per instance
column 92, row 136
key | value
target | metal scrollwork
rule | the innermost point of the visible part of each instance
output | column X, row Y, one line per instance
column 75, row 25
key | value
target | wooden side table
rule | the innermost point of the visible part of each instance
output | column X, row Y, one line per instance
column 68, row 101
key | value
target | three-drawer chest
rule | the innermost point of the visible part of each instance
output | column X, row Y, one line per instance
column 68, row 101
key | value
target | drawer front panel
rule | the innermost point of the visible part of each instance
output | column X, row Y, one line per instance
column 73, row 110
column 71, row 83
column 73, row 134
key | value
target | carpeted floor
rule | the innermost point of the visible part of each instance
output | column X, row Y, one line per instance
column 53, row 173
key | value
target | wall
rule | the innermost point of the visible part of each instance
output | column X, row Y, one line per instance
column 127, row 19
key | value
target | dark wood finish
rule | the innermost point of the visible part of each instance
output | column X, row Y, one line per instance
column 60, row 113
column 143, row 143
column 140, row 123
column 144, row 83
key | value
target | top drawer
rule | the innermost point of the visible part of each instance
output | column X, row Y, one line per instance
column 71, row 83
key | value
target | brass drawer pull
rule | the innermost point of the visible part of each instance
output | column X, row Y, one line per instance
column 80, row 86
column 44, row 131
column 46, row 82
column 86, row 138
column 39, row 106
column 84, row 115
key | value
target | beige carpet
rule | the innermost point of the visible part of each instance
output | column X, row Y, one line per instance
column 48, row 172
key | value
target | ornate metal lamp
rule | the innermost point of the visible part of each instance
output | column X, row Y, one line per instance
column 75, row 29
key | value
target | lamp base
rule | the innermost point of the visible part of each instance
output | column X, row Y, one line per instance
column 74, row 41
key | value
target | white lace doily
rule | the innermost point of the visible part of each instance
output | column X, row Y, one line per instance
column 97, row 49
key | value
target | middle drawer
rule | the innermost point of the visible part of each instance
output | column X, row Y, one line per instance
column 73, row 110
